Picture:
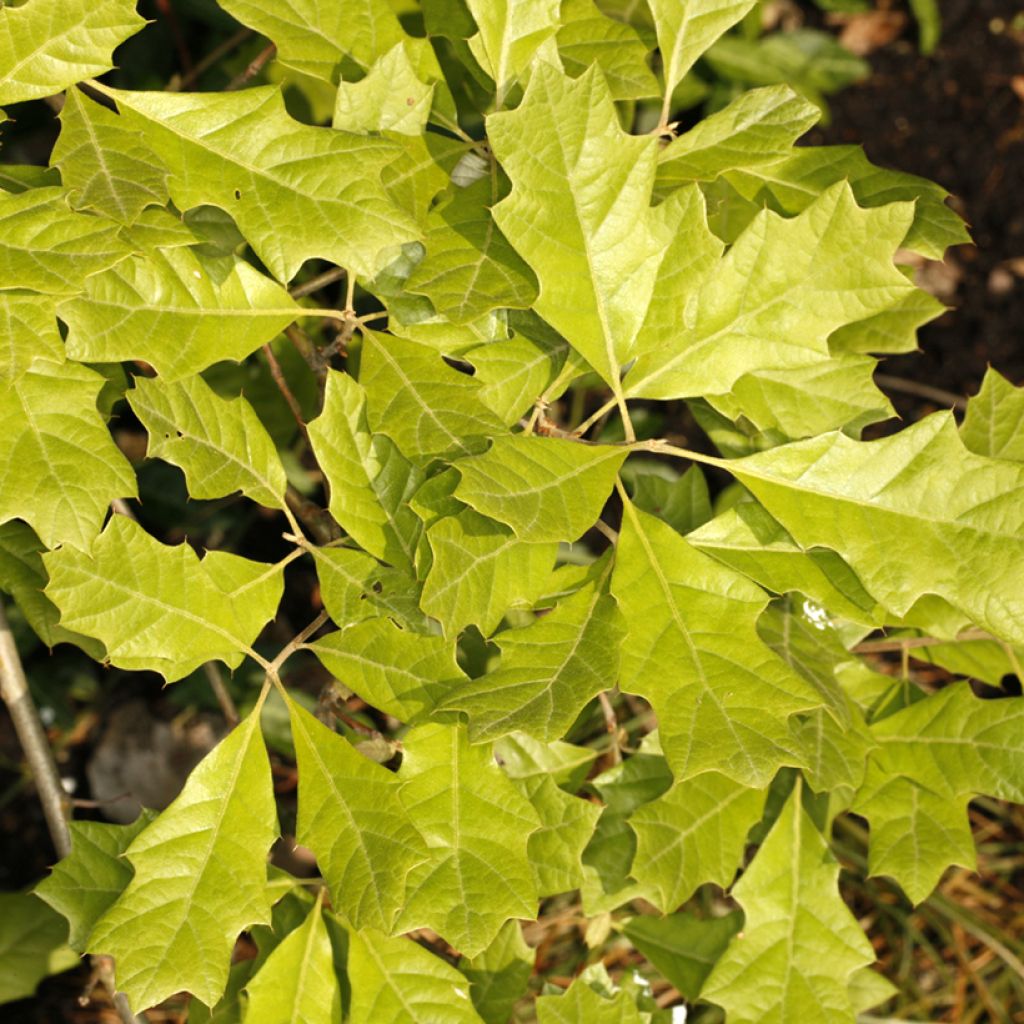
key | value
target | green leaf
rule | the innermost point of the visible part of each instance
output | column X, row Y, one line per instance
column 894, row 330
column 159, row 607
column 514, row 372
column 295, row 192
column 523, row 757
column 582, row 1005
column 995, row 418
column 469, row 268
column 177, row 311
column 86, row 884
column 800, row 944
column 694, row 833
column 587, row 36
column 367, row 860
column 47, row 247
column 681, row 947
column 370, row 480
column 545, row 488
column 942, row 510
column 915, row 833
column 220, row 444
column 424, row 406
column 773, row 300
column 326, row 41
column 390, row 98
column 23, row 576
column 46, row 47
column 954, row 743
column 105, row 166
column 297, row 982
column 59, row 466
column 200, row 878
column 929, row 20
column 566, row 827
column 355, row 586
column 22, row 177
column 480, row 570
column 395, row 981
column 510, row 32
column 687, row 28
column 549, row 670
column 722, row 697
column 579, row 212
column 749, row 540
column 795, row 182
column 500, row 974
column 476, row 824
column 32, row 943
column 759, row 126
column 681, row 501
column 402, row 674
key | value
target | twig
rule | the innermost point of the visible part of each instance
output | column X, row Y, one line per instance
column 254, row 68
column 220, row 691
column 606, row 531
column 611, row 723
column 122, row 508
column 207, row 62
column 314, row 284
column 282, row 386
column 912, row 387
column 31, row 735
column 317, row 520
column 907, row 643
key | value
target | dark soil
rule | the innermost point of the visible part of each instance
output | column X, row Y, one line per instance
column 954, row 117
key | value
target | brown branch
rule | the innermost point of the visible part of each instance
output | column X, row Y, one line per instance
column 220, row 691
column 314, row 284
column 918, row 390
column 15, row 692
column 910, row 642
column 317, row 520
column 282, row 386
column 254, row 68
column 207, row 62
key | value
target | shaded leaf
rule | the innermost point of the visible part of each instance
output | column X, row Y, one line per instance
column 582, row 1005
column 681, row 947
column 86, row 884
column 33, row 945
column 500, row 974
column 587, row 36
column 370, row 481
column 469, row 268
